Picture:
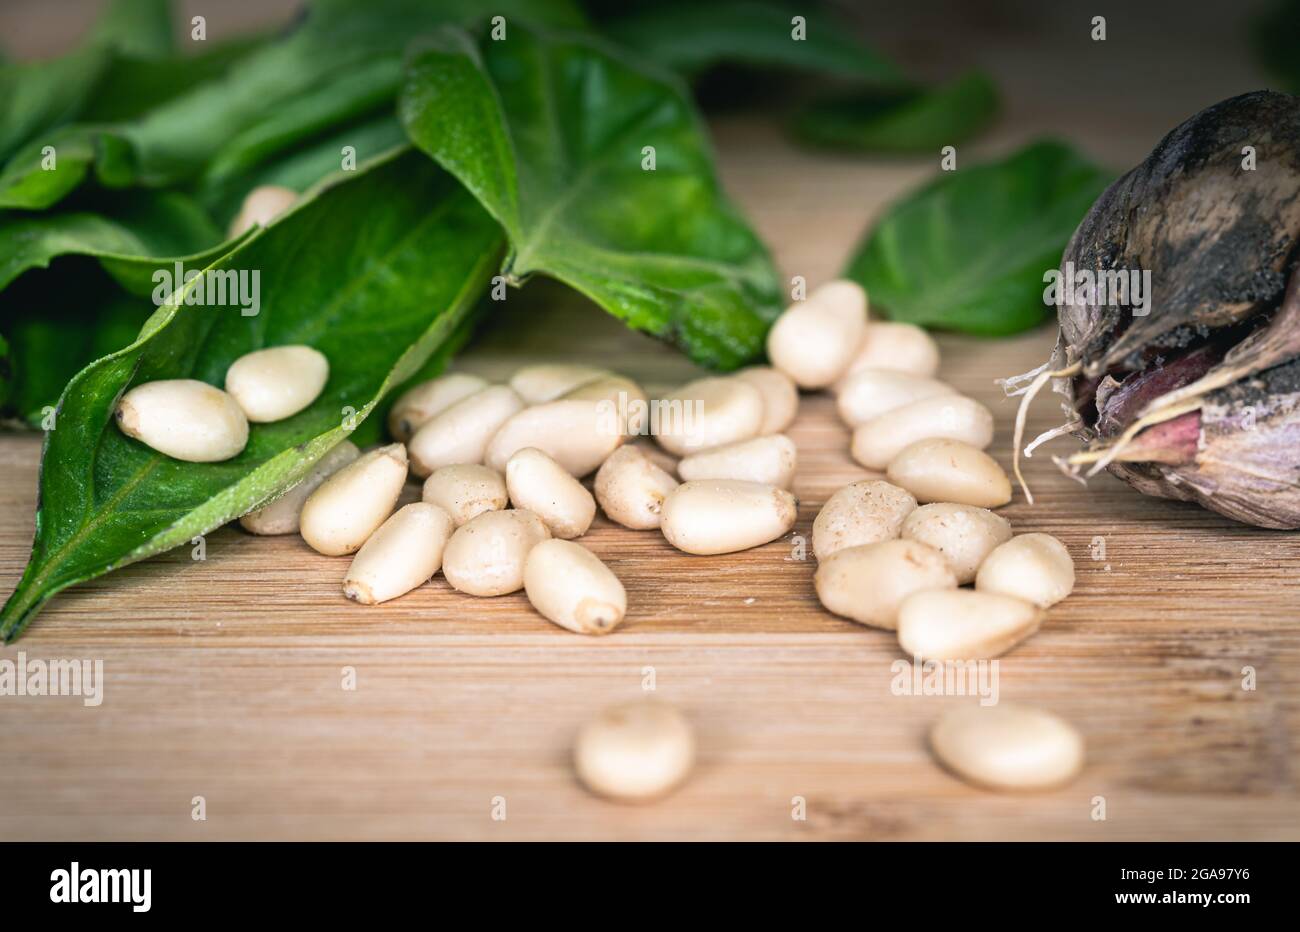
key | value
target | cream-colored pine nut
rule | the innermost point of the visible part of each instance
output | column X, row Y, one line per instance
column 418, row 404
column 261, row 206
column 486, row 556
column 870, row 393
column 579, row 434
column 569, row 585
column 964, row 534
column 185, row 419
column 1008, row 746
column 547, row 381
column 401, row 555
column 892, row 345
column 725, row 515
column 621, row 398
column 538, row 484
column 814, row 341
column 956, row 417
column 281, row 516
column 780, row 396
column 943, row 470
column 962, row 624
column 350, row 505
column 275, row 383
column 461, row 433
column 770, row 459
column 631, row 489
column 635, row 752
column 863, row 512
column 1033, row 567
column 868, row 583
column 708, row 413
column 466, row 490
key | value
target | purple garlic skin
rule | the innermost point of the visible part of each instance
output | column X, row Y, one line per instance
column 1221, row 243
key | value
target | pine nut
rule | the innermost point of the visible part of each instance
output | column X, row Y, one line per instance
column 1033, row 567
column 868, row 583
column 547, row 381
column 770, row 460
column 577, row 434
column 418, row 404
column 964, row 534
column 814, row 341
column 461, row 433
column 486, row 556
column 401, row 555
column 276, row 383
column 631, row 489
column 709, row 413
column 863, row 512
column 780, row 396
column 465, row 491
column 623, row 399
column 961, row 624
column 635, row 752
column 539, row 484
column 897, row 346
column 877, row 442
column 185, row 419
column 350, row 505
column 870, row 393
column 281, row 516
column 261, row 206
column 725, row 515
column 569, row 585
column 1008, row 747
column 941, row 470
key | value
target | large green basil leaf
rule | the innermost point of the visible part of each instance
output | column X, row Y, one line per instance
column 551, row 133
column 968, row 251
column 375, row 272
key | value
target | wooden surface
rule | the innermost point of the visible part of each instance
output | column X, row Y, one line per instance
column 224, row 677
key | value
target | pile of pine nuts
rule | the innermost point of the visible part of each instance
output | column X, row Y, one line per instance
column 503, row 502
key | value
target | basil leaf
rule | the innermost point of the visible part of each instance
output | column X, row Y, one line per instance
column 920, row 119
column 136, row 27
column 968, row 250
column 375, row 272
column 549, row 132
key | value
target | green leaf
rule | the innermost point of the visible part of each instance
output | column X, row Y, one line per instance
column 375, row 272
column 1273, row 37
column 920, row 119
column 136, row 27
column 549, row 132
column 690, row 37
column 968, row 250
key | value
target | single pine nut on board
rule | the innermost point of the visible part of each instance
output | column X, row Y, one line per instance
column 710, row 516
column 942, row 470
column 547, row 381
column 956, row 417
column 863, row 512
column 964, row 534
column 579, row 434
column 486, row 556
column 350, row 505
column 185, row 419
column 635, row 752
column 261, row 206
column 708, row 413
column 631, row 489
column 417, row 405
column 401, row 555
column 465, row 490
column 870, row 393
column 281, row 515
column 962, row 624
column 780, row 396
column 813, row 341
column 770, row 459
column 569, row 585
column 1033, row 567
column 538, row 484
column 1008, row 747
column 867, row 584
column 897, row 346
column 461, row 432
column 275, row 383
